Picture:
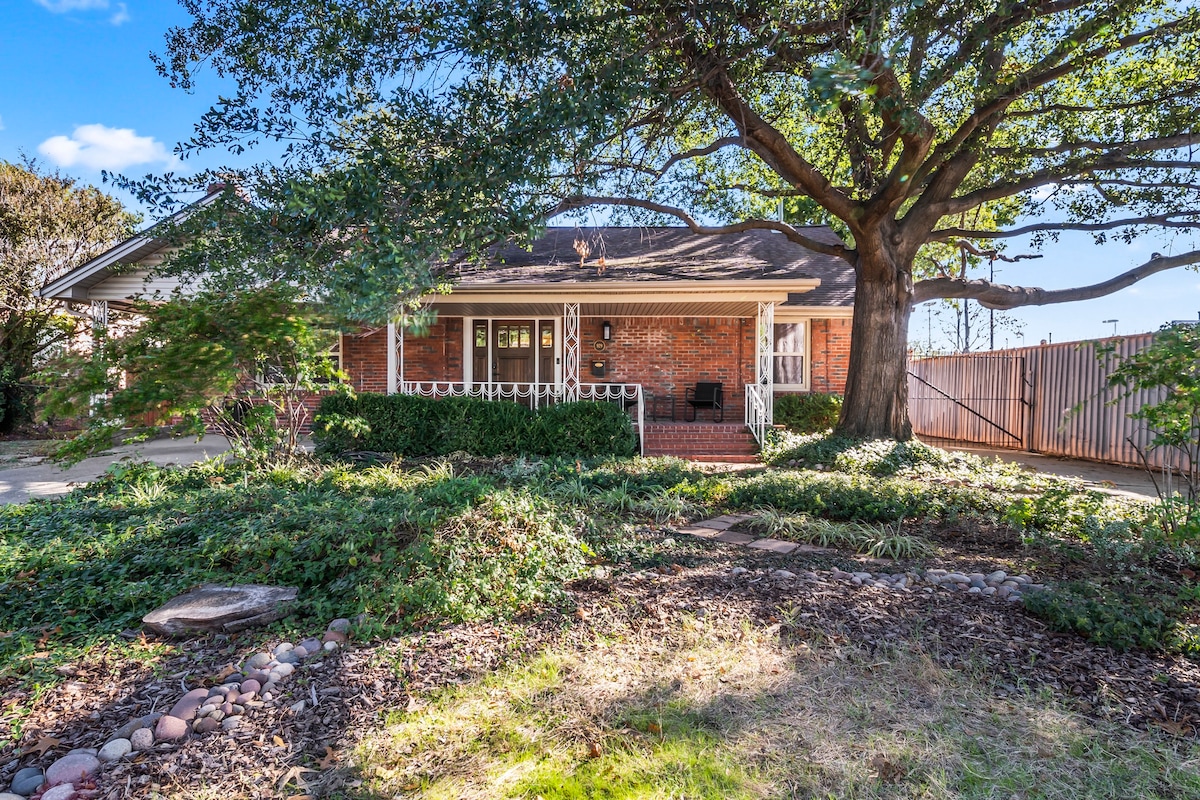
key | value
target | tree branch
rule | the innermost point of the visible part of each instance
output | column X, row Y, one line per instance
column 1002, row 297
column 1161, row 220
column 582, row 201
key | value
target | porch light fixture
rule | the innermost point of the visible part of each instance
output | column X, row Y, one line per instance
column 606, row 331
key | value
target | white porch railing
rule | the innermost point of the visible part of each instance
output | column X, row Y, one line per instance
column 758, row 410
column 537, row 395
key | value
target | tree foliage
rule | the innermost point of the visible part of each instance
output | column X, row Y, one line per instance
column 1171, row 366
column 417, row 134
column 48, row 225
column 240, row 361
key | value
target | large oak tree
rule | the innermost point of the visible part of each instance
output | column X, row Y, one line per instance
column 414, row 134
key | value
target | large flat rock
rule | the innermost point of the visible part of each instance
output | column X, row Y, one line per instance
column 222, row 609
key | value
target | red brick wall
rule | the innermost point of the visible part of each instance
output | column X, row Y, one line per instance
column 437, row 356
column 830, row 343
column 667, row 355
column 364, row 359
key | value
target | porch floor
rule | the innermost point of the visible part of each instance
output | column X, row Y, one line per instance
column 702, row 441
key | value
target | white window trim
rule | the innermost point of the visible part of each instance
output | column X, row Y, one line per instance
column 791, row 388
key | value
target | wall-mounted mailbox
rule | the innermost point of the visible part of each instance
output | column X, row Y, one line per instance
column 599, row 368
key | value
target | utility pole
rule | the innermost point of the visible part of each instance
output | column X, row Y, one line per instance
column 992, row 311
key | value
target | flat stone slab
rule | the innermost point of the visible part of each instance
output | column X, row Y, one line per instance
column 774, row 546
column 698, row 530
column 717, row 524
column 733, row 537
column 812, row 548
column 214, row 608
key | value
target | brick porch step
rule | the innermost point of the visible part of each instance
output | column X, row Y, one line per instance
column 701, row 441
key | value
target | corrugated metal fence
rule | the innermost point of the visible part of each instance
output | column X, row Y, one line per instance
column 1049, row 399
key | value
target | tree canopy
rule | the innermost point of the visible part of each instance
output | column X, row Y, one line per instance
column 48, row 225
column 416, row 134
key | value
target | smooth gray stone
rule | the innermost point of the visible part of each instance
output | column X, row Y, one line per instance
column 213, row 608
column 27, row 781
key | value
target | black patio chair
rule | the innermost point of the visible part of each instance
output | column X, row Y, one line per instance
column 705, row 395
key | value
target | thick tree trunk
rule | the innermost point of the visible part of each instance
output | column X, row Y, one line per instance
column 876, row 402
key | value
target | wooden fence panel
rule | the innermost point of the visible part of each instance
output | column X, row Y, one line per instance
column 1052, row 399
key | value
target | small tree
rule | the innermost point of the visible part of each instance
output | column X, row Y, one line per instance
column 1171, row 364
column 48, row 225
column 241, row 362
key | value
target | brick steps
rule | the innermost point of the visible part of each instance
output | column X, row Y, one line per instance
column 702, row 441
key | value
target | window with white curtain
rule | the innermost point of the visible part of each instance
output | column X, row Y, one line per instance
column 789, row 350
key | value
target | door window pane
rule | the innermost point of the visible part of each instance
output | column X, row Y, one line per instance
column 547, row 336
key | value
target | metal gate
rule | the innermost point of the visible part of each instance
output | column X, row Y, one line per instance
column 982, row 399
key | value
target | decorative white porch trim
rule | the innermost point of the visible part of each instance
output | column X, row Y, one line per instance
column 570, row 377
column 99, row 329
column 760, row 398
column 395, row 360
column 99, row 317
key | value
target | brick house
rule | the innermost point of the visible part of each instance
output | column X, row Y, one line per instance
column 638, row 316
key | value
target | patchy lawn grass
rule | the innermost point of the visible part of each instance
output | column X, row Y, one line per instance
column 731, row 710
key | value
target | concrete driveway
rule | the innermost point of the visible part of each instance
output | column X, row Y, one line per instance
column 1111, row 478
column 37, row 477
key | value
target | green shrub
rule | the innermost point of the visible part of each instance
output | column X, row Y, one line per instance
column 583, row 429
column 419, row 426
column 807, row 413
column 860, row 498
column 1149, row 617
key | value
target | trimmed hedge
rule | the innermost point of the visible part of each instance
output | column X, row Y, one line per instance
column 807, row 413
column 419, row 426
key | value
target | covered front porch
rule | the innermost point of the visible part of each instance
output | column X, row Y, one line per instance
column 647, row 361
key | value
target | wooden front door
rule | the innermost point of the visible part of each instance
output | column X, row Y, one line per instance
column 514, row 348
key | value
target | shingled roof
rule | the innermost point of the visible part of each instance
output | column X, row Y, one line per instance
column 576, row 255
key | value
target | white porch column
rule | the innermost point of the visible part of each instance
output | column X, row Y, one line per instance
column 99, row 317
column 99, row 329
column 571, row 351
column 766, row 345
column 393, row 359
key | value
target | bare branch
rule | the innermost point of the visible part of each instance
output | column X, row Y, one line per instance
column 994, row 254
column 1160, row 220
column 1000, row 296
column 1154, row 145
column 792, row 233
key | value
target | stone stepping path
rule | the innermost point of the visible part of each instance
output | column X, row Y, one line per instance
column 718, row 529
column 997, row 584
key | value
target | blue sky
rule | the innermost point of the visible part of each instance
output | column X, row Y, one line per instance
column 78, row 90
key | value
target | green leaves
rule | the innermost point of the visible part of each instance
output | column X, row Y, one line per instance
column 245, row 358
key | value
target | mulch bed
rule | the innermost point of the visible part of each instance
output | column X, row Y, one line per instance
column 281, row 753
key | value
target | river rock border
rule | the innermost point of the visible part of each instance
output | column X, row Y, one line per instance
column 997, row 583
column 259, row 681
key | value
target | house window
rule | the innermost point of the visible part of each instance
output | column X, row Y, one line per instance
column 788, row 353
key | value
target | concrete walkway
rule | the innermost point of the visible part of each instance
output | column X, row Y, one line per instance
column 38, row 477
column 1111, row 478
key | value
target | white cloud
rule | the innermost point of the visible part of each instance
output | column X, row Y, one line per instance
column 101, row 147
column 63, row 6
column 119, row 17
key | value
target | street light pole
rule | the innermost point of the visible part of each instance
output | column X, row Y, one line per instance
column 1114, row 324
